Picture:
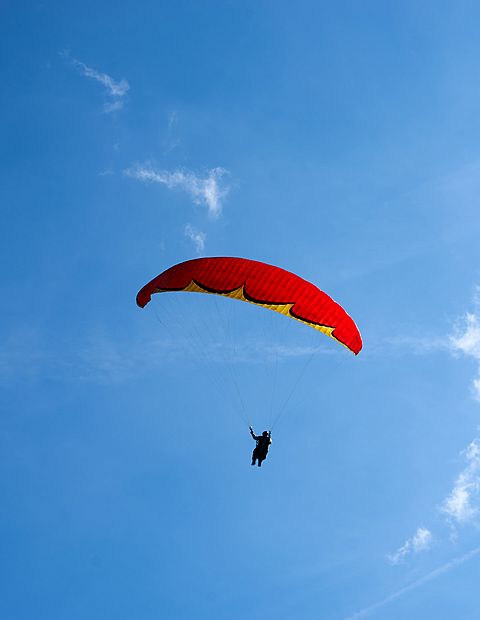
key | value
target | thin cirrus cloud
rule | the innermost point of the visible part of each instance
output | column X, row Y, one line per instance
column 196, row 236
column 434, row 574
column 420, row 541
column 171, row 140
column 29, row 354
column 466, row 339
column 113, row 106
column 115, row 90
column 461, row 505
column 209, row 190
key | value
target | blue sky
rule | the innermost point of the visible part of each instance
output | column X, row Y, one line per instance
column 339, row 142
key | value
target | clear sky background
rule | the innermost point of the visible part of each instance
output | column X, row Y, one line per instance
column 340, row 141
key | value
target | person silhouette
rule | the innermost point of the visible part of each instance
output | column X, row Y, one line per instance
column 260, row 451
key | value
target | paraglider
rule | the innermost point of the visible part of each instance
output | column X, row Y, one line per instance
column 266, row 286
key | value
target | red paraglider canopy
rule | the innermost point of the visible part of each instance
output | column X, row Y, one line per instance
column 261, row 284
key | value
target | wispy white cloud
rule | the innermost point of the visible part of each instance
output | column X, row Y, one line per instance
column 461, row 507
column 420, row 541
column 113, row 106
column 28, row 353
column 114, row 89
column 101, row 360
column 209, row 190
column 172, row 119
column 251, row 352
column 197, row 236
column 418, row 345
column 23, row 353
column 279, row 351
column 462, row 504
column 438, row 572
column 466, row 339
column 171, row 140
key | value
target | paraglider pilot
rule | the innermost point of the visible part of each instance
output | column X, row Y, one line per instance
column 261, row 449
